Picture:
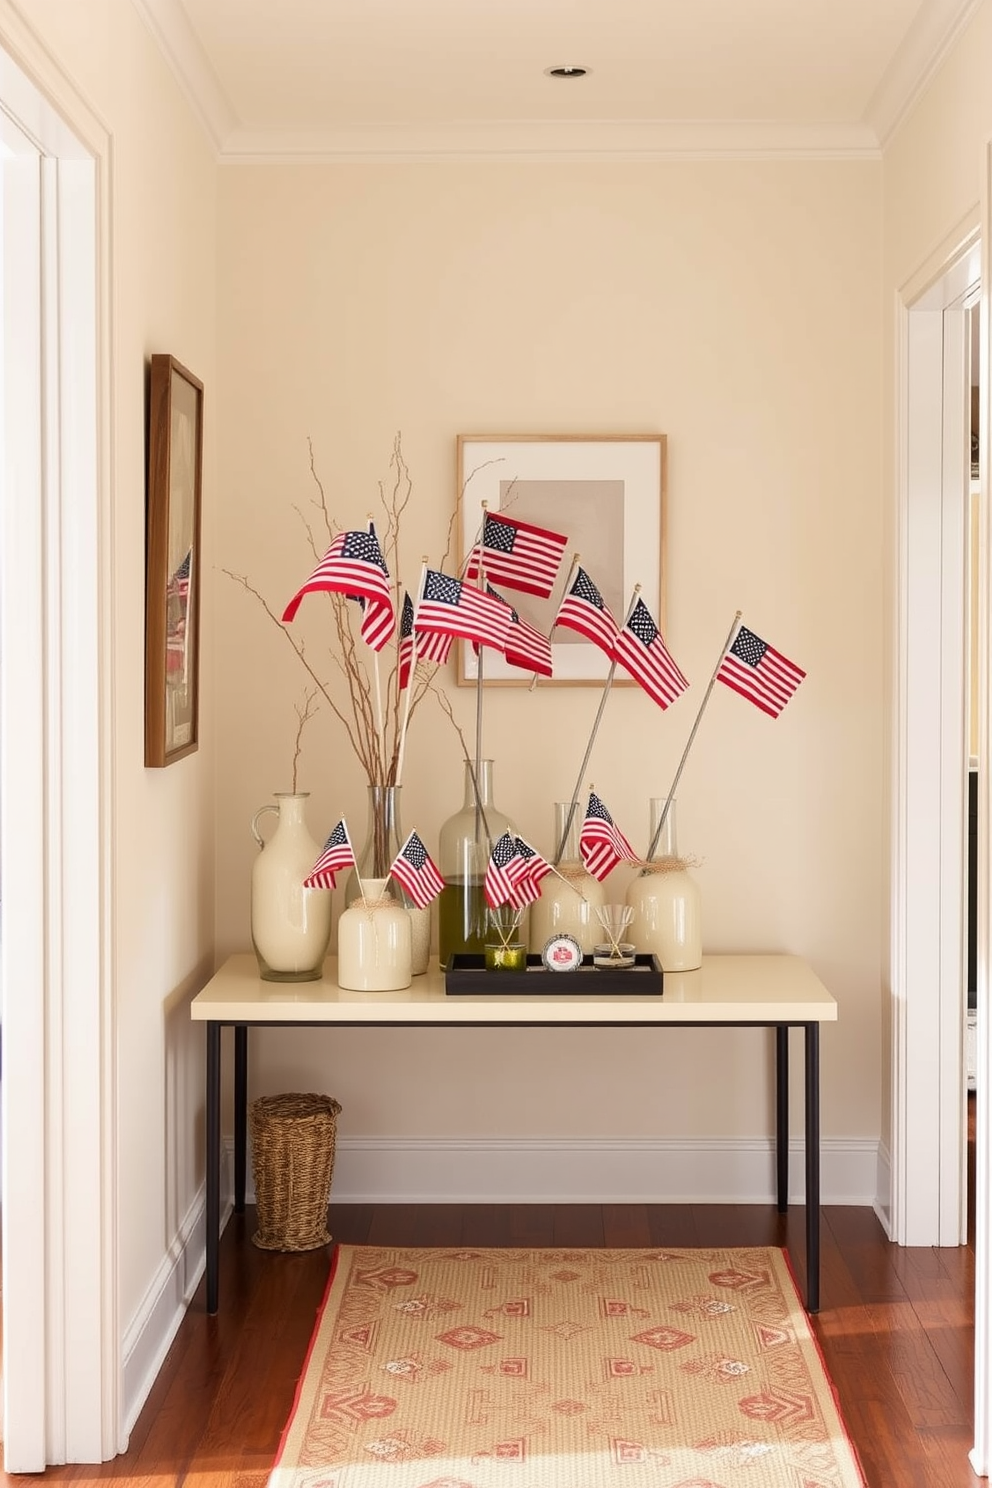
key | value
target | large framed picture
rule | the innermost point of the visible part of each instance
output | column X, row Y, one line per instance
column 607, row 494
column 172, row 562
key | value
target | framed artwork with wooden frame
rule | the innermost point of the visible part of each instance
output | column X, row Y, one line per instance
column 172, row 562
column 607, row 493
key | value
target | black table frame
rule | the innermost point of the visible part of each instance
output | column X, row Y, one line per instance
column 812, row 1118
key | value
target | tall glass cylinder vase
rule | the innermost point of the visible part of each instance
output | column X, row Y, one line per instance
column 666, row 901
column 290, row 925
column 568, row 903
column 465, row 843
column 383, row 840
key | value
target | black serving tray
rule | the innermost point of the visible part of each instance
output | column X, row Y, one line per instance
column 466, row 975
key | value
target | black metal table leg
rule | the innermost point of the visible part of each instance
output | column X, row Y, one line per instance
column 782, row 1116
column 213, row 1163
column 240, row 1114
column 812, row 1167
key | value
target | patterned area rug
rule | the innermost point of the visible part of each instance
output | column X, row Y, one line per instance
column 434, row 1368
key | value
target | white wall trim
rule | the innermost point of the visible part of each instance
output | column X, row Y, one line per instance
column 553, row 139
column 151, row 1332
column 934, row 31
column 582, row 1170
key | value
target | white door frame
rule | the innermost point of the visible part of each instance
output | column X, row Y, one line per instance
column 929, row 1188
column 59, row 1161
column 981, row 1453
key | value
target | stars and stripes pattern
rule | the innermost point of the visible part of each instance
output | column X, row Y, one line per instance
column 354, row 566
column 502, row 871
column 416, row 872
column 601, row 842
column 338, row 853
column 414, row 647
column 759, row 673
column 525, row 646
column 641, row 650
column 518, row 554
column 582, row 609
column 453, row 607
column 527, row 870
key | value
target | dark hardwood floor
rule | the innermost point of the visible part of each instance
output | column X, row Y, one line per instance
column 896, row 1330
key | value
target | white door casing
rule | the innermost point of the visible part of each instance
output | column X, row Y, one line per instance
column 62, row 1402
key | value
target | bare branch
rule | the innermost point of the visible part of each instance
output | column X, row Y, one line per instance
column 303, row 714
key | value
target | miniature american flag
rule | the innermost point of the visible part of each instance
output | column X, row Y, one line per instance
column 500, row 874
column 451, row 607
column 527, row 871
column 601, row 842
column 518, row 554
column 414, row 870
column 760, row 673
column 414, row 647
column 641, row 650
column 354, row 565
column 338, row 853
column 525, row 646
column 582, row 609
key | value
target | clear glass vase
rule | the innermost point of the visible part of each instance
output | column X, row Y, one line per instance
column 568, row 903
column 290, row 925
column 383, row 840
column 465, row 843
column 666, row 902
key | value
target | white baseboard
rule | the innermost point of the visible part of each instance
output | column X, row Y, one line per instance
column 154, row 1326
column 576, row 1170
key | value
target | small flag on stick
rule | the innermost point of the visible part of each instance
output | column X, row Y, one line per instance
column 353, row 565
column 528, row 870
column 518, row 554
column 641, row 650
column 414, row 870
column 338, row 853
column 601, row 842
column 759, row 673
column 583, row 609
column 501, row 874
column 451, row 607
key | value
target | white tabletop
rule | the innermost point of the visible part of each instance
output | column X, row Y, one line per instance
column 727, row 989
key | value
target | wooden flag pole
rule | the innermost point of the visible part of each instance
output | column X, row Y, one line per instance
column 354, row 858
column 592, row 737
column 692, row 734
column 478, row 693
column 413, row 668
column 568, row 585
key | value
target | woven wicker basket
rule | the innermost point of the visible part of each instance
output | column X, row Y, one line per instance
column 292, row 1158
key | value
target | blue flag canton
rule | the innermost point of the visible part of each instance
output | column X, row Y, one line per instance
column 365, row 547
column 505, row 851
column 415, row 852
column 498, row 536
column 406, row 622
column 597, row 809
column 440, row 588
column 524, row 850
column 584, row 588
column 748, row 647
column 338, row 838
column 641, row 625
column 182, row 572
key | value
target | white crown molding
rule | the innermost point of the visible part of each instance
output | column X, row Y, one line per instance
column 169, row 25
column 936, row 27
column 540, row 139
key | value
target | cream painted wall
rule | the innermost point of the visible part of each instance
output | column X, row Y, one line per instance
column 164, row 275
column 735, row 307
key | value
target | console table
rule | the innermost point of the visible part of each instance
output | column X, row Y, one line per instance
column 752, row 991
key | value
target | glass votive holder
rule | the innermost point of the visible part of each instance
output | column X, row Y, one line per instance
column 511, row 957
column 614, row 958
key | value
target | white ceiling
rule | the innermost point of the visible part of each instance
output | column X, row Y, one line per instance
column 340, row 79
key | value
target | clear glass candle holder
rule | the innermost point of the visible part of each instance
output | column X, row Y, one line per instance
column 614, row 958
column 509, row 957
